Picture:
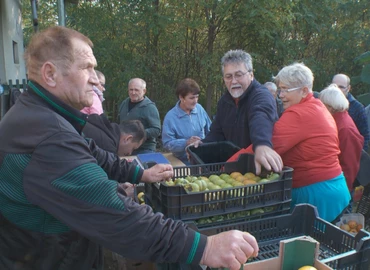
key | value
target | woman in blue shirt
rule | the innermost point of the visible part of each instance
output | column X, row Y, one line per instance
column 186, row 122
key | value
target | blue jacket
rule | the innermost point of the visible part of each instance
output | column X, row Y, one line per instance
column 357, row 111
column 178, row 127
column 251, row 121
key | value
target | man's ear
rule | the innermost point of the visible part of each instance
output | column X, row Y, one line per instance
column 144, row 91
column 127, row 138
column 48, row 73
column 349, row 88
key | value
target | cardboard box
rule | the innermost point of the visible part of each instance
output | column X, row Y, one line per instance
column 293, row 254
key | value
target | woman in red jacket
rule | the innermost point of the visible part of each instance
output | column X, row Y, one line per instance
column 306, row 138
column 350, row 140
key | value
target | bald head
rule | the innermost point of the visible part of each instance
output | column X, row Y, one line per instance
column 136, row 89
column 343, row 82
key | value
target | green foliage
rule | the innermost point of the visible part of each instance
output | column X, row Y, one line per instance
column 164, row 41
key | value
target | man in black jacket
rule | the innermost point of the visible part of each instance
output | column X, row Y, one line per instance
column 246, row 112
column 57, row 204
column 120, row 139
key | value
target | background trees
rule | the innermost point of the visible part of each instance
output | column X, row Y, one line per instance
column 164, row 41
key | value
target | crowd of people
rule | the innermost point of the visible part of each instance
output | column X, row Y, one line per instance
column 63, row 189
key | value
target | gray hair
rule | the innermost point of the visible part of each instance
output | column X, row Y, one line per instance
column 99, row 74
column 295, row 75
column 237, row 57
column 270, row 85
column 334, row 97
column 142, row 82
column 134, row 128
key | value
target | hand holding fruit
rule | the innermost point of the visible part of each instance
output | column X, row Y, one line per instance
column 157, row 173
column 267, row 157
column 229, row 249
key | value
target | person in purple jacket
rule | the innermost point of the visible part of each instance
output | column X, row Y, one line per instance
column 246, row 112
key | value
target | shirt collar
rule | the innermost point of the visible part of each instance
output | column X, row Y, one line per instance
column 181, row 113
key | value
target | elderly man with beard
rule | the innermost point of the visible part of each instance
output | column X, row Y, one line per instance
column 246, row 113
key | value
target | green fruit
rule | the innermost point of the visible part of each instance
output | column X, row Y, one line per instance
column 203, row 178
column 256, row 178
column 192, row 187
column 237, row 184
column 273, row 176
column 224, row 176
column 226, row 185
column 213, row 178
column 179, row 181
column 229, row 180
column 257, row 211
column 264, row 180
column 170, row 183
column 210, row 185
column 219, row 182
column 202, row 184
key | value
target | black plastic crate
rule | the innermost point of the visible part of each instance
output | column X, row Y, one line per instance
column 213, row 152
column 364, row 205
column 175, row 202
column 338, row 249
column 280, row 209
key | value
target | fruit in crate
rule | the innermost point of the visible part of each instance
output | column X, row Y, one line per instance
column 140, row 197
column 351, row 226
column 222, row 181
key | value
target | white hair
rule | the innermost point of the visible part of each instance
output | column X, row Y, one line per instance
column 295, row 75
column 332, row 96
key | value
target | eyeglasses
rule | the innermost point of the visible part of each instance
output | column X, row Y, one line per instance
column 342, row 87
column 102, row 84
column 284, row 91
column 237, row 76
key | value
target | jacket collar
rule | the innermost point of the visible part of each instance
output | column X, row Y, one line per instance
column 72, row 115
column 350, row 97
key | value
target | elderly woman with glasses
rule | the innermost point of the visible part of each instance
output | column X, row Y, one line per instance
column 306, row 138
column 350, row 139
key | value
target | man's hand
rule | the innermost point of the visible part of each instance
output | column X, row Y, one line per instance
column 265, row 156
column 157, row 173
column 229, row 249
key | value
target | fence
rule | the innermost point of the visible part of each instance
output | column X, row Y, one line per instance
column 7, row 95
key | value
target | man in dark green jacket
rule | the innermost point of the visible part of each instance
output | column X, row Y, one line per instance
column 58, row 201
column 139, row 107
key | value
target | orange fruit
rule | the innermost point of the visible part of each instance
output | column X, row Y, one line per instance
column 249, row 182
column 352, row 224
column 249, row 175
column 235, row 174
